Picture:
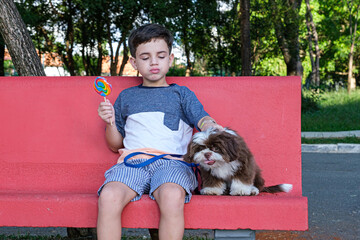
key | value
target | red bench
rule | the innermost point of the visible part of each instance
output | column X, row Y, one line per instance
column 53, row 153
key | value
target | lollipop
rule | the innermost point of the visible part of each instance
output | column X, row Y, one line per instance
column 102, row 87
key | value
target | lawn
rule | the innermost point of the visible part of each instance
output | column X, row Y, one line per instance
column 337, row 111
column 27, row 237
column 330, row 140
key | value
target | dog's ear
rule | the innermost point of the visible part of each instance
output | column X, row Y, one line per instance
column 240, row 149
column 233, row 144
column 232, row 147
column 189, row 156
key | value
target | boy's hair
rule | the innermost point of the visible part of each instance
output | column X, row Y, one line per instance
column 146, row 33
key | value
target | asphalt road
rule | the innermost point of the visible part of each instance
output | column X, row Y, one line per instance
column 331, row 181
column 332, row 184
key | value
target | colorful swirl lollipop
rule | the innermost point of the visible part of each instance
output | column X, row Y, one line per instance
column 102, row 87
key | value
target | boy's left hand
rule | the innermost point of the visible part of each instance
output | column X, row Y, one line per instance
column 209, row 125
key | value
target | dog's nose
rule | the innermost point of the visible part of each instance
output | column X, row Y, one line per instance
column 207, row 155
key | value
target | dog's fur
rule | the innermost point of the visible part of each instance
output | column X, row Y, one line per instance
column 227, row 165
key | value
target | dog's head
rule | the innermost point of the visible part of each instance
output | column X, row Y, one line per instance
column 214, row 148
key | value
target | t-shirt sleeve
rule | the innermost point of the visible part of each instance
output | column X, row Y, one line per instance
column 193, row 109
column 119, row 118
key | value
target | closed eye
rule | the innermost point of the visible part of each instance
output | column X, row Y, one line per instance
column 199, row 148
column 215, row 149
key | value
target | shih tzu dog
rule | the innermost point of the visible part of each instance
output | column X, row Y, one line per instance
column 227, row 165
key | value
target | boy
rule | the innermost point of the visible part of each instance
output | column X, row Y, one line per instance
column 156, row 116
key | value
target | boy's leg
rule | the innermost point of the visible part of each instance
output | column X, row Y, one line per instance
column 113, row 198
column 170, row 198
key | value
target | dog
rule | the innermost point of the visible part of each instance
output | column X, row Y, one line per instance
column 227, row 165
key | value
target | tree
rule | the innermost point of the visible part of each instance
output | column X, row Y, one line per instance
column 245, row 38
column 286, row 23
column 123, row 15
column 313, row 37
column 18, row 41
column 353, row 27
column 2, row 53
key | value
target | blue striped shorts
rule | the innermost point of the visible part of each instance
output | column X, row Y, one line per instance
column 145, row 180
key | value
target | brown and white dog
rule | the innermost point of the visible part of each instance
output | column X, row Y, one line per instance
column 227, row 165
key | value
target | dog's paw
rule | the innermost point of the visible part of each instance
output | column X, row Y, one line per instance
column 240, row 189
column 212, row 191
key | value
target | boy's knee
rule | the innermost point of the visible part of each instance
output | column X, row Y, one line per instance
column 114, row 198
column 171, row 196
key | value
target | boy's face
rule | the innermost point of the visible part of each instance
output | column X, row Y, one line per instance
column 153, row 62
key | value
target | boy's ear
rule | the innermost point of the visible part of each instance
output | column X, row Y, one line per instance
column 133, row 62
column 171, row 59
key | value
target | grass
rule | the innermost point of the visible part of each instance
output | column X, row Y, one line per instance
column 330, row 112
column 330, row 140
column 337, row 111
column 27, row 237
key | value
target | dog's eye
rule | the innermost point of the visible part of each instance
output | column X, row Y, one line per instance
column 215, row 149
column 199, row 148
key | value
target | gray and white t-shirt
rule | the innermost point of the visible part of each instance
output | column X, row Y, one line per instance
column 158, row 117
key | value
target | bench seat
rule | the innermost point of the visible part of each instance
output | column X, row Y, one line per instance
column 53, row 153
column 271, row 212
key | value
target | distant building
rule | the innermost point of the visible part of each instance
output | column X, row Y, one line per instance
column 128, row 69
column 54, row 66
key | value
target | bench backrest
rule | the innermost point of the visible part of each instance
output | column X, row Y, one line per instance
column 52, row 139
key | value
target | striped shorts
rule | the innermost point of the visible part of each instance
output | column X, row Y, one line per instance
column 145, row 180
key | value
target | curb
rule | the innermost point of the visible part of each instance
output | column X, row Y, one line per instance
column 330, row 148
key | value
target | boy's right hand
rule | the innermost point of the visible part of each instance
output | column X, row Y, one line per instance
column 106, row 112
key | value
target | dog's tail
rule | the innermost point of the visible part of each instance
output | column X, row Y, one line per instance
column 278, row 188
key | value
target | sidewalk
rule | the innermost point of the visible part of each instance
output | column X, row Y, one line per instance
column 331, row 148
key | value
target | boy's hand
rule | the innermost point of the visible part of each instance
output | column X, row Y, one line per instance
column 106, row 112
column 212, row 125
column 207, row 123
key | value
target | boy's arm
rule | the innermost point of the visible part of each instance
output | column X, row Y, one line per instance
column 208, row 122
column 113, row 137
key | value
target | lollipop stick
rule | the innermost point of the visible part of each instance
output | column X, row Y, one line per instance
column 110, row 119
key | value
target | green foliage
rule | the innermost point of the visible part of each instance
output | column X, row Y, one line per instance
column 209, row 31
column 9, row 68
column 180, row 70
column 310, row 99
column 177, row 71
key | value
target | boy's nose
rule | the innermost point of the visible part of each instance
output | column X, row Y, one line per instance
column 153, row 61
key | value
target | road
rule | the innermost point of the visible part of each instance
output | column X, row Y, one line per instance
column 331, row 182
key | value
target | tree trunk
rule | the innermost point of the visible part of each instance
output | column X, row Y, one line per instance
column 287, row 33
column 69, row 39
column 100, row 58
column 18, row 41
column 187, row 53
column 351, row 80
column 125, row 59
column 2, row 56
column 245, row 38
column 310, row 80
column 313, row 36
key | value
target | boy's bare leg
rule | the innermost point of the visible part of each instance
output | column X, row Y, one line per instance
column 170, row 198
column 113, row 198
